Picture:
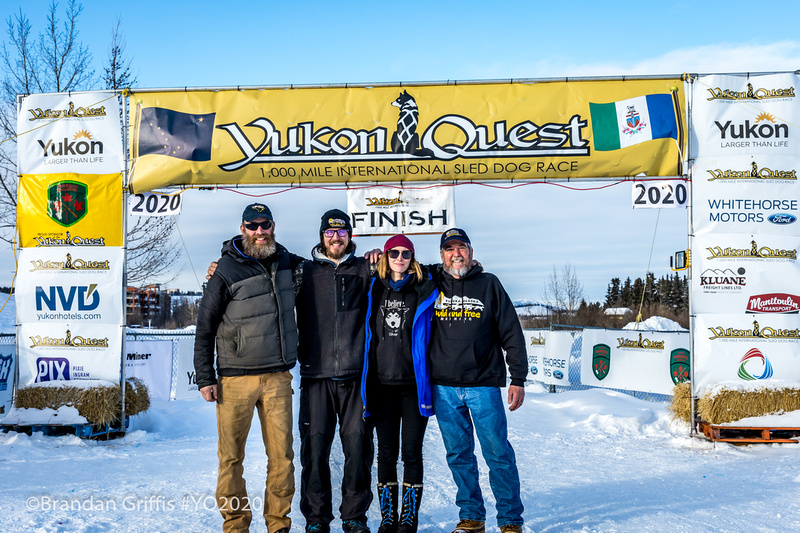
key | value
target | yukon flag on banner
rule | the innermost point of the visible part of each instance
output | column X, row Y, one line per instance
column 633, row 121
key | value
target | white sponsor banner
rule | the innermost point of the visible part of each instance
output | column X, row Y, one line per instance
column 150, row 361
column 745, row 115
column 185, row 377
column 78, row 133
column 68, row 352
column 667, row 194
column 70, row 285
column 391, row 210
column 646, row 361
column 6, row 378
column 746, row 349
column 724, row 205
column 740, row 282
column 548, row 355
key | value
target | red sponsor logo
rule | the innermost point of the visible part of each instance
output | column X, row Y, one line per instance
column 775, row 302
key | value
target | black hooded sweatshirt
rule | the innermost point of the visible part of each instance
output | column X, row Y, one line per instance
column 474, row 322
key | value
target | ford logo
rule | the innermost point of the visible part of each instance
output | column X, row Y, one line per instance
column 782, row 218
column 534, row 370
column 558, row 374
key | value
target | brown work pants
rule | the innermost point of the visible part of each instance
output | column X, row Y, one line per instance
column 271, row 396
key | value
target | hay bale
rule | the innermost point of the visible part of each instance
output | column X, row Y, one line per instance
column 681, row 406
column 730, row 405
column 98, row 405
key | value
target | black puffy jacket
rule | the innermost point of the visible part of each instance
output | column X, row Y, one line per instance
column 248, row 308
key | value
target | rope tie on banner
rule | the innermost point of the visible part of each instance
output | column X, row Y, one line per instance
column 644, row 288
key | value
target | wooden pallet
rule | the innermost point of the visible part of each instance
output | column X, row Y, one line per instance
column 90, row 431
column 749, row 435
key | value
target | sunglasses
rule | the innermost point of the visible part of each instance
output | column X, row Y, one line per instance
column 332, row 232
column 407, row 254
column 253, row 226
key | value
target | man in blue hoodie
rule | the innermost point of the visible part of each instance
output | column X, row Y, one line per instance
column 474, row 324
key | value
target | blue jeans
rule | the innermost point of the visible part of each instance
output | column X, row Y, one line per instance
column 457, row 410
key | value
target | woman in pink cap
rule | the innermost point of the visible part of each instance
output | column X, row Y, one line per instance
column 395, row 386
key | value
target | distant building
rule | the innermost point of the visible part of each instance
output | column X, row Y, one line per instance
column 617, row 311
column 148, row 303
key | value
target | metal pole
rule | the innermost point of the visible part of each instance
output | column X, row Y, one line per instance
column 692, row 352
column 124, row 102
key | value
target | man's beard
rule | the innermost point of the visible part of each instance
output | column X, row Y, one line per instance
column 261, row 250
column 458, row 270
column 334, row 255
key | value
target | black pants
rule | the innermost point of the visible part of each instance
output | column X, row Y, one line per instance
column 322, row 403
column 394, row 409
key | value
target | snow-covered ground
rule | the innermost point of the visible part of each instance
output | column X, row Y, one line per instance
column 590, row 461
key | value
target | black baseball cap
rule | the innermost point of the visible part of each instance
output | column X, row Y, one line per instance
column 454, row 234
column 254, row 211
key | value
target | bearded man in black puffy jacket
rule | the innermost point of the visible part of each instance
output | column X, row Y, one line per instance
column 247, row 310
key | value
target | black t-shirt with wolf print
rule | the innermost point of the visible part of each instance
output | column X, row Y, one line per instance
column 394, row 320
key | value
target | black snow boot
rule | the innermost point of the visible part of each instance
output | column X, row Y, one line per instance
column 387, row 498
column 409, row 517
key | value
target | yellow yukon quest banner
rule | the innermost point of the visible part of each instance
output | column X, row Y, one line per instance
column 527, row 131
column 70, row 210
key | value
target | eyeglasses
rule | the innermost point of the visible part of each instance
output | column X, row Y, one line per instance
column 407, row 254
column 332, row 232
column 253, row 226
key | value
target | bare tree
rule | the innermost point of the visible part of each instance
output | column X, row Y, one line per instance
column 56, row 61
column 151, row 251
column 53, row 61
column 563, row 291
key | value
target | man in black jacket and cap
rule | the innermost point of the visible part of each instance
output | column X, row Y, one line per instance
column 247, row 311
column 331, row 313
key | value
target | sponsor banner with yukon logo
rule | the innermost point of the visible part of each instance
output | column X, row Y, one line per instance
column 75, row 132
column 69, row 351
column 745, row 115
column 70, row 285
column 392, row 210
column 549, row 355
column 78, row 210
column 150, row 361
column 746, row 349
column 729, row 269
column 647, row 361
column 390, row 134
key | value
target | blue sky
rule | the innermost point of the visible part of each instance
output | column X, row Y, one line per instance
column 519, row 234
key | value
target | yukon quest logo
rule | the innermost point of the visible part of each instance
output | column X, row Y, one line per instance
column 775, row 302
column 52, row 369
column 66, row 202
column 87, row 298
column 782, row 218
column 262, row 142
